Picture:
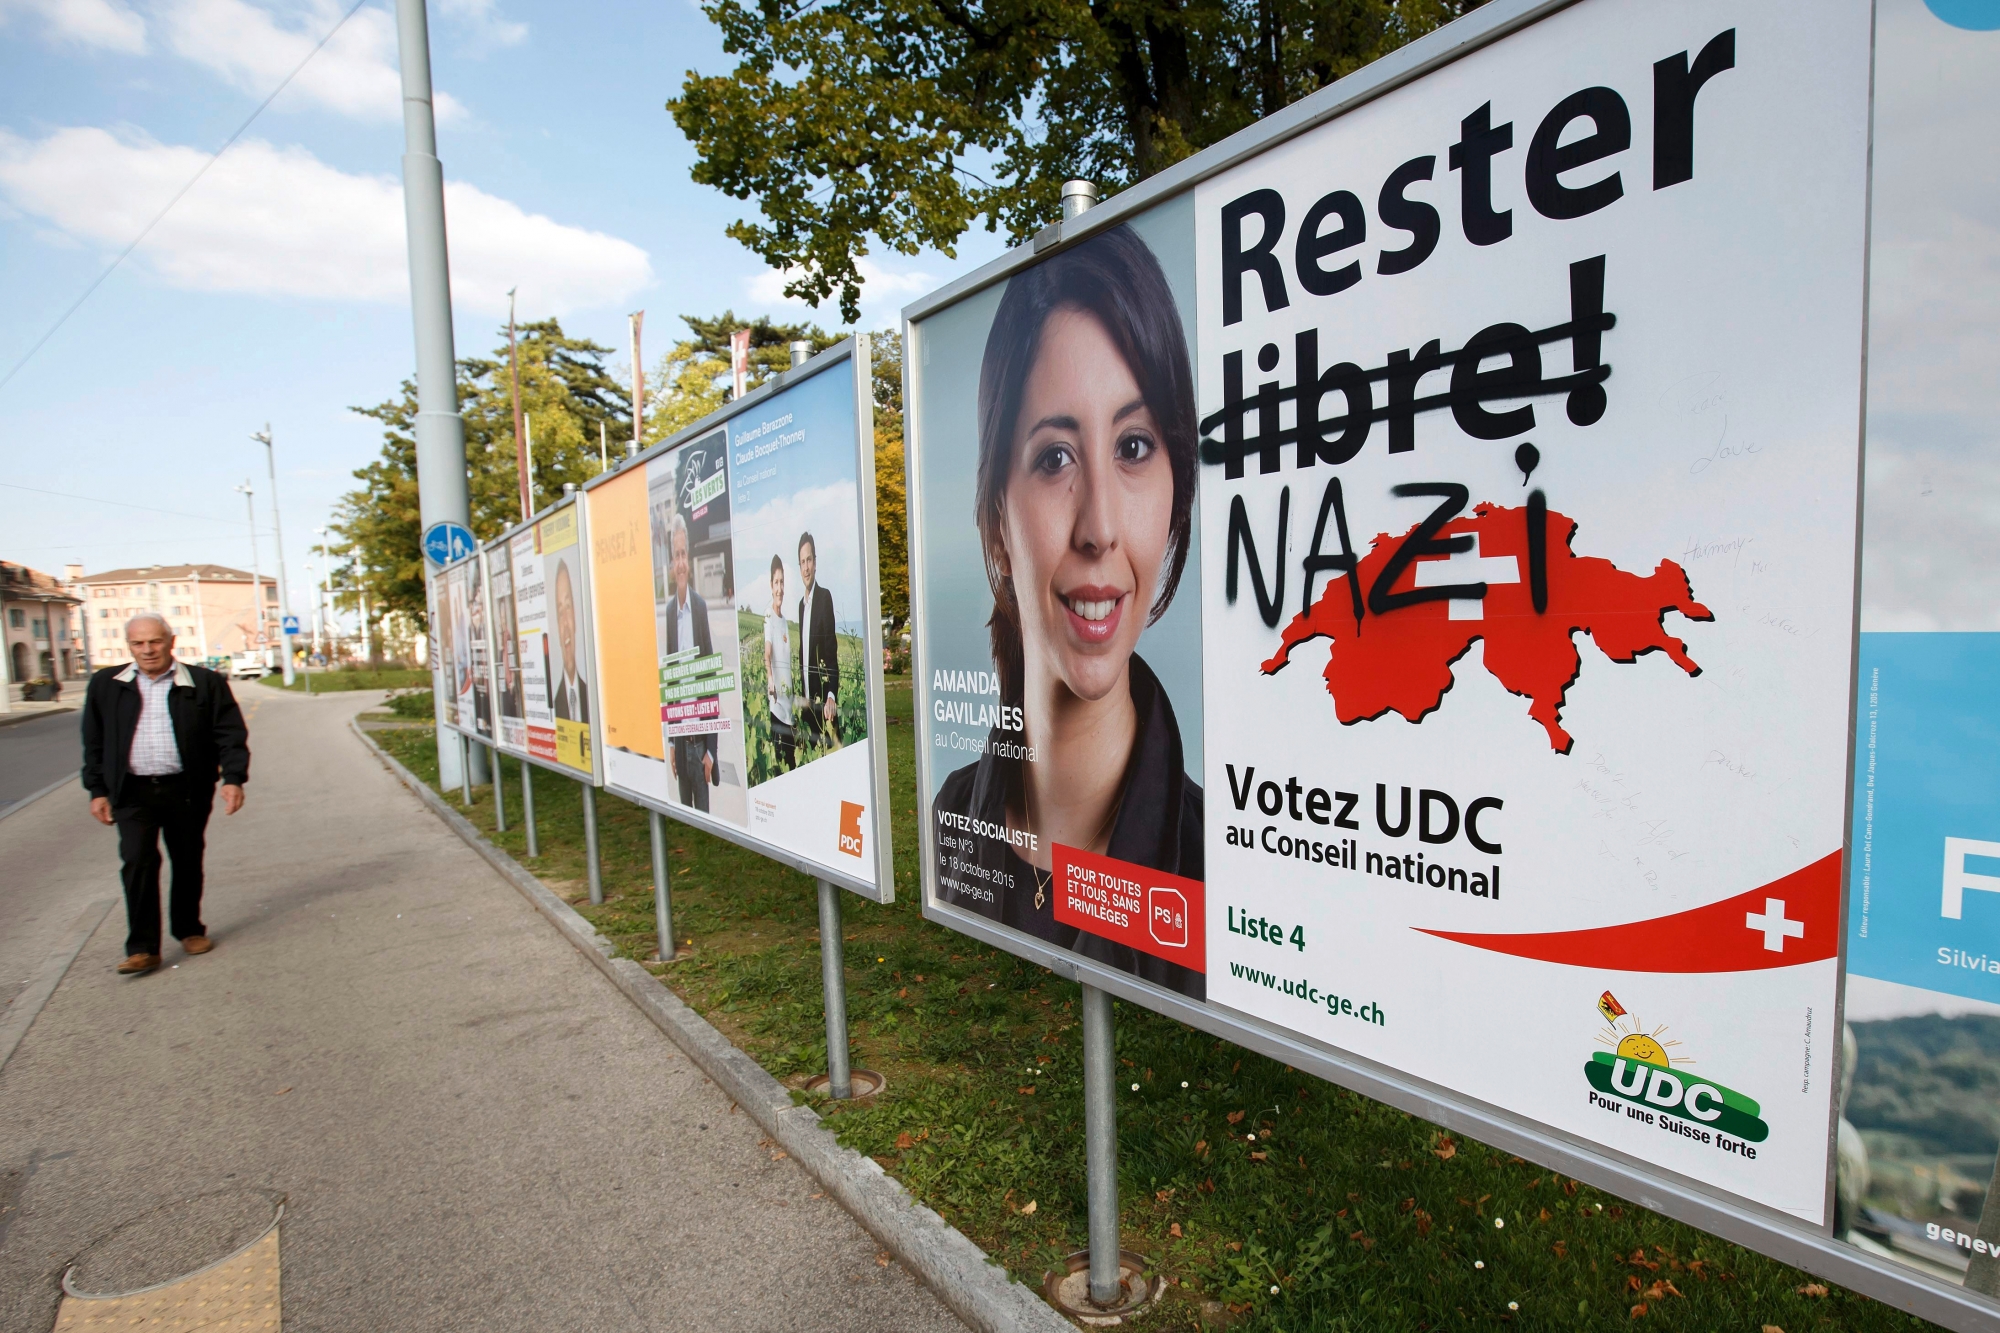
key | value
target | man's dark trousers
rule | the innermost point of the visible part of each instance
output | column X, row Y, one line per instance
column 173, row 810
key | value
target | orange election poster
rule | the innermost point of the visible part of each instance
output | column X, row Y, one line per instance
column 628, row 666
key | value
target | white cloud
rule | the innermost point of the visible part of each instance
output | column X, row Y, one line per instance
column 355, row 74
column 275, row 221
column 884, row 293
column 106, row 24
column 484, row 22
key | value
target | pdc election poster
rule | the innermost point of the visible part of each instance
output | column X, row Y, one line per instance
column 732, row 626
column 552, row 678
column 1402, row 586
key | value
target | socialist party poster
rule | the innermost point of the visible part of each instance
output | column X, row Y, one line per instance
column 1399, row 592
column 729, row 582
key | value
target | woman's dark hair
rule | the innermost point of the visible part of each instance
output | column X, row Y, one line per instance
column 777, row 564
column 1114, row 277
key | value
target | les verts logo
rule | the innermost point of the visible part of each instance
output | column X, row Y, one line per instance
column 1637, row 1075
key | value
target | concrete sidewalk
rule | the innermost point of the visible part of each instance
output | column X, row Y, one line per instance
column 473, row 1128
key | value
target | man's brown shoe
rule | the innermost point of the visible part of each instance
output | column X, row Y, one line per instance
column 138, row 963
column 197, row 944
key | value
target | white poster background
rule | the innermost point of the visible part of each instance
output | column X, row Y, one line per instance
column 1729, row 446
column 531, row 613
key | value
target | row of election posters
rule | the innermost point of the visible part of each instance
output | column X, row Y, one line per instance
column 1397, row 593
column 699, row 629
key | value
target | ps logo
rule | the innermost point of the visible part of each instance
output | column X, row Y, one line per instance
column 1167, row 917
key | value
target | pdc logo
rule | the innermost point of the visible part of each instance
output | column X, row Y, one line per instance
column 850, row 828
column 1167, row 917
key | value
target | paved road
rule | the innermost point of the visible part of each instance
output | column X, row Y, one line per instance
column 35, row 753
column 474, row 1129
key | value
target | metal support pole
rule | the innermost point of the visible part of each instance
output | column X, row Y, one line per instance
column 528, row 806
column 1100, row 1145
column 443, row 493
column 833, row 978
column 590, row 844
column 499, row 796
column 465, row 768
column 663, row 898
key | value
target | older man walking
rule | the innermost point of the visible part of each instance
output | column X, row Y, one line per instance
column 156, row 735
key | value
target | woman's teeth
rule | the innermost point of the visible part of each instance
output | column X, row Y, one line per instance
column 1091, row 610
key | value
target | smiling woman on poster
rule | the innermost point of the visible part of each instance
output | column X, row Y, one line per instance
column 1085, row 487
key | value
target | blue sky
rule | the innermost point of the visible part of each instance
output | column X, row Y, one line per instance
column 275, row 291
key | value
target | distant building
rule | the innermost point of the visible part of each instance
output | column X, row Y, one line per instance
column 42, row 628
column 210, row 608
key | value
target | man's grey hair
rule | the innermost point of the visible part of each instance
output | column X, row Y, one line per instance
column 677, row 527
column 149, row 617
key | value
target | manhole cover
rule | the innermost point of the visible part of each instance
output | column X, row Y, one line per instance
column 171, row 1242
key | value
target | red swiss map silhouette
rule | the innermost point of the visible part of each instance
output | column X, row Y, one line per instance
column 1402, row 661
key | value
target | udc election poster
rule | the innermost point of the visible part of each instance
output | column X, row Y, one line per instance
column 1399, row 592
column 732, row 626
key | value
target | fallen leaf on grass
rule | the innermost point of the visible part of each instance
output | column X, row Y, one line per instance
column 1561, row 1248
column 1028, row 1091
column 1259, row 1156
column 1175, row 1231
column 1813, row 1289
column 1235, row 1117
column 1028, row 1208
column 1234, row 1245
column 1201, row 1147
column 905, row 1142
column 1638, row 1312
column 1446, row 1149
column 1771, row 1328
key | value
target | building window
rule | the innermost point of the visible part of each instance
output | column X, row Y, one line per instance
column 15, row 618
column 41, row 628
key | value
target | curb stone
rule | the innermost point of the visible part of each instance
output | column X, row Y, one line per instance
column 975, row 1288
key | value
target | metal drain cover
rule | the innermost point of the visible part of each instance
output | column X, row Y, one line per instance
column 172, row 1241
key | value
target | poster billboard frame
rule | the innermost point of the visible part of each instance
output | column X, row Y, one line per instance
column 853, row 352
column 1767, row 1230
column 471, row 733
column 595, row 777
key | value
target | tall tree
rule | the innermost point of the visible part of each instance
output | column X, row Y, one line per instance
column 892, row 513
column 904, row 122
column 694, row 379
column 566, row 395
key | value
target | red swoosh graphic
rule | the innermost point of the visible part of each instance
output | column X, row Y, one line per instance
column 1712, row 938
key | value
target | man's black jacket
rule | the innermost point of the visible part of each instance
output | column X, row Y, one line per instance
column 208, row 728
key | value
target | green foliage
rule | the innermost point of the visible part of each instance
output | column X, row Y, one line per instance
column 1363, row 1217
column 413, row 703
column 568, row 396
column 761, row 753
column 904, row 122
column 892, row 508
column 694, row 378
column 334, row 682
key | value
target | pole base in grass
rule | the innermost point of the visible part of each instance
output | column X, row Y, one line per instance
column 862, row 1082
column 1069, row 1290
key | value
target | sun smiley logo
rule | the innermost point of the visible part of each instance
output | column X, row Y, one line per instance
column 1640, row 1075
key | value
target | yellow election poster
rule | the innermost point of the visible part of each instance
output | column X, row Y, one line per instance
column 569, row 690
column 622, row 600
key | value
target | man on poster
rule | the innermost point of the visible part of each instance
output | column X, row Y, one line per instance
column 572, row 697
column 820, row 650
column 693, row 757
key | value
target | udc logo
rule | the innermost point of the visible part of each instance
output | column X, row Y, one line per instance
column 1167, row 917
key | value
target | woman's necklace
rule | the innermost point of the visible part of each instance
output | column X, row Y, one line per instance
column 1043, row 881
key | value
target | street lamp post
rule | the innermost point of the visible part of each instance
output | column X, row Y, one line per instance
column 263, row 437
column 442, row 493
column 321, row 585
column 261, row 637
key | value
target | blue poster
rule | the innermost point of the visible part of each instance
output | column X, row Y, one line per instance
column 1924, row 901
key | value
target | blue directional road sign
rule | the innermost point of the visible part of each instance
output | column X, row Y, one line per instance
column 291, row 624
column 446, row 542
